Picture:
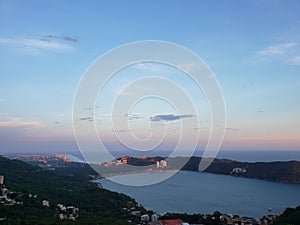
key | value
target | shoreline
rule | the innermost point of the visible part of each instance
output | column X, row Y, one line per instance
column 172, row 170
column 138, row 172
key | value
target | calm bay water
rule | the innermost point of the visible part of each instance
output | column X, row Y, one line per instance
column 195, row 192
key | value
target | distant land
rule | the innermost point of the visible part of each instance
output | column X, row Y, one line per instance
column 277, row 171
column 272, row 171
column 280, row 171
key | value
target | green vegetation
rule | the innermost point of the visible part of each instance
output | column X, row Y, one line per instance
column 289, row 217
column 272, row 171
column 96, row 205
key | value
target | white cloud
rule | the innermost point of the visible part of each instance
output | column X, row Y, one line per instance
column 46, row 45
column 154, row 67
column 5, row 40
column 294, row 60
column 34, row 46
column 277, row 49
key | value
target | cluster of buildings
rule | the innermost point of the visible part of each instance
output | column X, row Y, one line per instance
column 267, row 219
column 43, row 158
column 8, row 197
column 67, row 212
column 120, row 161
column 224, row 219
column 124, row 160
column 146, row 219
column 238, row 171
column 154, row 219
column 161, row 164
column 44, row 161
column 230, row 219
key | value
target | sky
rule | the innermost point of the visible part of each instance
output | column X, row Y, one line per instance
column 252, row 48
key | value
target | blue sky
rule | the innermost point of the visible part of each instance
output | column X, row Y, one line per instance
column 253, row 48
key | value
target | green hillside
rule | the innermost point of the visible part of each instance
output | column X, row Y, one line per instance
column 96, row 205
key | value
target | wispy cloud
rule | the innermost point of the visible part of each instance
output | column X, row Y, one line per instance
column 34, row 46
column 283, row 51
column 122, row 131
column 231, row 129
column 169, row 117
column 89, row 118
column 277, row 49
column 21, row 123
column 135, row 116
column 294, row 60
column 62, row 37
column 150, row 67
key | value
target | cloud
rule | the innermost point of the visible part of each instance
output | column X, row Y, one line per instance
column 231, row 129
column 20, row 123
column 122, row 131
column 34, row 46
column 135, row 116
column 62, row 37
column 169, row 117
column 294, row 60
column 46, row 45
column 150, row 67
column 281, row 51
column 89, row 118
column 277, row 49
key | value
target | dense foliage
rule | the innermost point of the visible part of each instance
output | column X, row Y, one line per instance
column 272, row 171
column 96, row 205
column 289, row 217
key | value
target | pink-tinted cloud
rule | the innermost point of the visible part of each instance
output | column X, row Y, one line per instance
column 18, row 123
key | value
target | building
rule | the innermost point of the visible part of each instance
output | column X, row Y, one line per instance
column 1, row 179
column 161, row 164
column 45, row 203
column 145, row 218
column 238, row 170
column 172, row 222
column 66, row 160
column 124, row 159
column 136, row 213
column 154, row 218
column 67, row 213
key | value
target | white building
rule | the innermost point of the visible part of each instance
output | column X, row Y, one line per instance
column 154, row 218
column 45, row 203
column 238, row 170
column 1, row 179
column 145, row 218
column 161, row 164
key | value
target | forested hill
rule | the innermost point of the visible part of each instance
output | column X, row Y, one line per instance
column 280, row 171
column 30, row 185
column 272, row 171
